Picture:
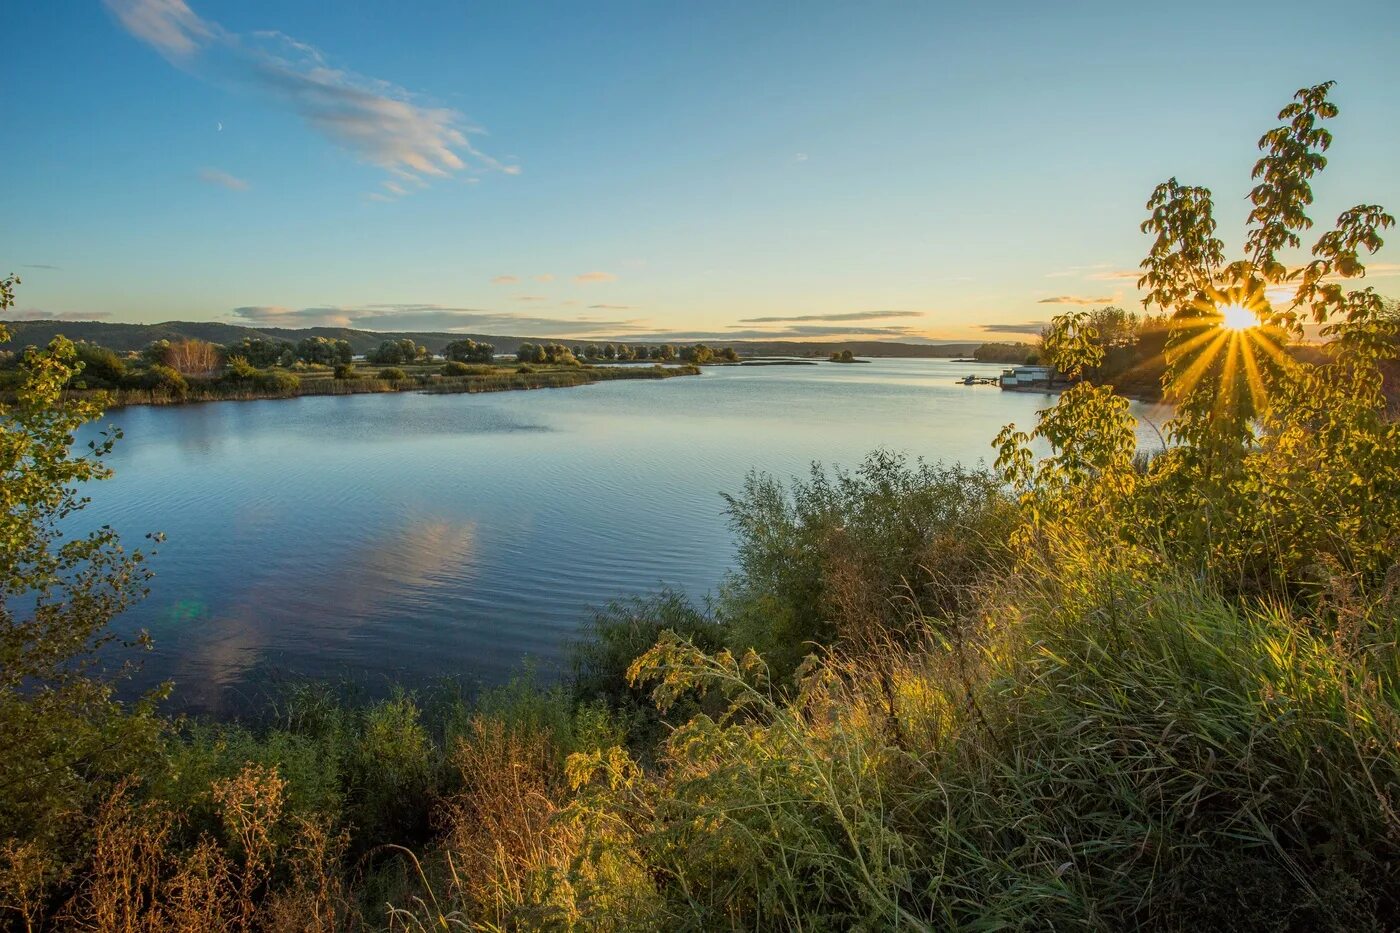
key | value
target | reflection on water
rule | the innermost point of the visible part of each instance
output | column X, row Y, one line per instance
column 385, row 570
column 416, row 536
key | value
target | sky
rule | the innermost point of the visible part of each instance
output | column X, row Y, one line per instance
column 651, row 170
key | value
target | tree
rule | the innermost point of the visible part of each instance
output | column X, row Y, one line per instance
column 469, row 351
column 1284, row 474
column 99, row 368
column 699, row 354
column 188, row 357
column 396, row 352
column 610, row 352
column 323, row 351
column 263, row 353
column 994, row 352
column 559, row 354
column 64, row 737
column 193, row 357
column 525, row 353
column 593, row 352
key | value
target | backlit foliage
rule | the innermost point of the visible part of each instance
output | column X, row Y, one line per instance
column 1281, row 471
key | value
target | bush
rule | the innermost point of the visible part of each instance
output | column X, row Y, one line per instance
column 278, row 382
column 345, row 371
column 455, row 368
column 102, row 368
column 239, row 370
column 392, row 374
column 623, row 631
column 857, row 558
column 159, row 378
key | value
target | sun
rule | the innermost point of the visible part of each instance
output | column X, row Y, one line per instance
column 1237, row 318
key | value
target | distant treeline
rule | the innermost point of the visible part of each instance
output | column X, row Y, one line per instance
column 135, row 337
column 1016, row 353
column 167, row 372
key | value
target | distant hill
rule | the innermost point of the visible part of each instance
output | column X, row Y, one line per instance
column 122, row 337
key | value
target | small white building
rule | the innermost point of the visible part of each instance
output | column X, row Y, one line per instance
column 1026, row 377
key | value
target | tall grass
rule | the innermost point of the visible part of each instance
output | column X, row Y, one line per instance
column 1087, row 735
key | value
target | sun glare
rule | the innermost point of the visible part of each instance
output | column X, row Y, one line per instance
column 1237, row 317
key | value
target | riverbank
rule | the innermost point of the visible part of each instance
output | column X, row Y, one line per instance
column 422, row 378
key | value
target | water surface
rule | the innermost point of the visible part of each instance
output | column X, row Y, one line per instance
column 407, row 537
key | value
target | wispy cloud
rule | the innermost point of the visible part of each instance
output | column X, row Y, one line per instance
column 586, row 277
column 611, row 307
column 219, row 177
column 505, row 280
column 531, row 298
column 38, row 265
column 844, row 316
column 429, row 317
column 1029, row 327
column 792, row 332
column 1078, row 271
column 1097, row 272
column 168, row 26
column 545, row 277
column 379, row 122
column 1077, row 300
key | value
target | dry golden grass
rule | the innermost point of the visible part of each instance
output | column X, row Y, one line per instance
column 141, row 879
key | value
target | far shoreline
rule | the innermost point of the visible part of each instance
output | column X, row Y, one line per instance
column 509, row 379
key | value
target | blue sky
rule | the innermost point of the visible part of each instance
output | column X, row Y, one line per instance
column 925, row 170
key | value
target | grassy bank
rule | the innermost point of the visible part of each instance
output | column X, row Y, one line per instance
column 430, row 379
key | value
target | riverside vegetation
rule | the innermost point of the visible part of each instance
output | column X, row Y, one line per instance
column 1091, row 690
column 194, row 370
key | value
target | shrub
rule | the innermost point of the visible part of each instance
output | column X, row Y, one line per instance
column 345, row 371
column 856, row 558
column 158, row 378
column 279, row 382
column 392, row 374
column 239, row 370
column 388, row 773
column 102, row 368
column 456, row 368
column 626, row 629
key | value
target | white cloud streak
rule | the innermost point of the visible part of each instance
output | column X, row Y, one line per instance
column 428, row 317
column 222, row 179
column 379, row 123
column 1078, row 300
column 844, row 316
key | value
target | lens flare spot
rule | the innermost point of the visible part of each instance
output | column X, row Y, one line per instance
column 1237, row 317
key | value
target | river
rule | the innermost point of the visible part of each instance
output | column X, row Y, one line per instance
column 405, row 537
